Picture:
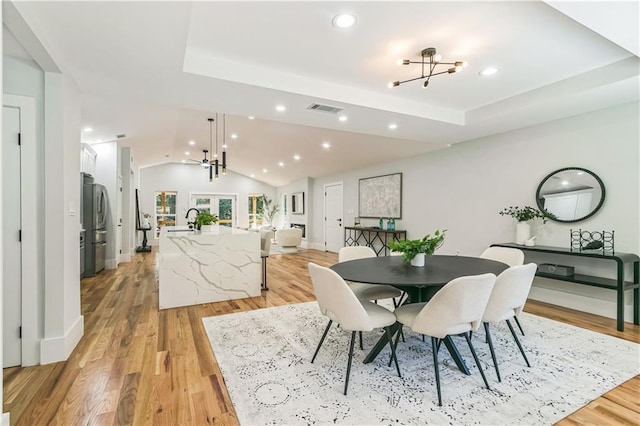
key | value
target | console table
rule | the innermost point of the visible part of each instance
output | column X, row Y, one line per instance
column 376, row 238
column 619, row 284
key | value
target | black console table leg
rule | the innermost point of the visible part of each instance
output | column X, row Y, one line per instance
column 620, row 299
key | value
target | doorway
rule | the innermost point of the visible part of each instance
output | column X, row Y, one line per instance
column 20, row 308
column 333, row 229
column 223, row 206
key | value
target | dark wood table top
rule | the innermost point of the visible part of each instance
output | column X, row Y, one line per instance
column 392, row 270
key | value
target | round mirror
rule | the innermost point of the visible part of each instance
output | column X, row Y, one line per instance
column 570, row 195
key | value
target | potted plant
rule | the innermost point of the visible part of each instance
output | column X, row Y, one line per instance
column 269, row 209
column 416, row 250
column 524, row 215
column 205, row 220
column 146, row 220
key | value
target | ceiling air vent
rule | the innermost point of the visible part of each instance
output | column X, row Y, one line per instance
column 121, row 136
column 324, row 108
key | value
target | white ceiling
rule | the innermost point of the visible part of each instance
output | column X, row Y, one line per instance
column 156, row 71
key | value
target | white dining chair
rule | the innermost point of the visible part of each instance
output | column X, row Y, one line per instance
column 367, row 291
column 455, row 309
column 510, row 256
column 340, row 305
column 507, row 299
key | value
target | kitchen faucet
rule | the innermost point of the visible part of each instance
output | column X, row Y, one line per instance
column 191, row 224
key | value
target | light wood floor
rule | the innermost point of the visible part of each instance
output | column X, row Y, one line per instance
column 137, row 365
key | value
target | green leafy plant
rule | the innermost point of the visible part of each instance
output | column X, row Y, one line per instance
column 427, row 245
column 205, row 218
column 269, row 209
column 526, row 213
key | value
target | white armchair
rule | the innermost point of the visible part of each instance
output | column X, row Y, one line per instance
column 289, row 239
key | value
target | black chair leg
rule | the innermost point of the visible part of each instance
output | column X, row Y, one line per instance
column 515, row 337
column 475, row 358
column 493, row 353
column 434, row 346
column 519, row 326
column 326, row 330
column 393, row 349
column 360, row 335
column 353, row 340
column 395, row 345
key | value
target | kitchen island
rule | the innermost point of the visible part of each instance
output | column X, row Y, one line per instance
column 200, row 267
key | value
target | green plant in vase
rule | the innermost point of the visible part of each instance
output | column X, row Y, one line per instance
column 205, row 218
column 412, row 249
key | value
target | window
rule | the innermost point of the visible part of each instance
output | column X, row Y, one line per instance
column 165, row 214
column 256, row 210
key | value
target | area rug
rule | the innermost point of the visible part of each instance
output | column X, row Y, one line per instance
column 265, row 358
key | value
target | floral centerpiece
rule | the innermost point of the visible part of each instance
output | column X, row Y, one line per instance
column 416, row 250
column 523, row 215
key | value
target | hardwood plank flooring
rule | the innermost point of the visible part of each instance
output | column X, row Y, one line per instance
column 138, row 365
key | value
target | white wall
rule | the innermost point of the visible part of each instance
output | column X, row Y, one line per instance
column 463, row 188
column 186, row 179
column 302, row 185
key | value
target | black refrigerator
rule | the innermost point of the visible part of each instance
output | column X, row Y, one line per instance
column 94, row 220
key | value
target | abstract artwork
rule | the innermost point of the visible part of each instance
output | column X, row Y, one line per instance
column 381, row 196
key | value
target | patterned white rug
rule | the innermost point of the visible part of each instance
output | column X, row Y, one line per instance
column 265, row 358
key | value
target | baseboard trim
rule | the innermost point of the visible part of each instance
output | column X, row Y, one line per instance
column 111, row 264
column 591, row 305
column 315, row 246
column 126, row 258
column 5, row 420
column 59, row 348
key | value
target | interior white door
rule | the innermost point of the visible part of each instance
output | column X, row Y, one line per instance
column 119, row 221
column 11, row 224
column 333, row 230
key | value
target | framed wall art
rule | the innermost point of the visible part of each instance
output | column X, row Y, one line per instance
column 380, row 196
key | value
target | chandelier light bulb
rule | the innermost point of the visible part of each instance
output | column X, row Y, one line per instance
column 394, row 84
column 459, row 68
column 437, row 58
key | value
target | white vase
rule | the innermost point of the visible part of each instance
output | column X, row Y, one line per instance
column 523, row 232
column 206, row 228
column 418, row 260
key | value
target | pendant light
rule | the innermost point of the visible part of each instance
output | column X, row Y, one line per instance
column 224, row 144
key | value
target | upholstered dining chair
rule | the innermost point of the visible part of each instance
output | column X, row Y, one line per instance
column 510, row 256
column 340, row 305
column 367, row 291
column 507, row 300
column 455, row 309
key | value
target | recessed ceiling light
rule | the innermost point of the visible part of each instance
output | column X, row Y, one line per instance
column 186, row 153
column 296, row 157
column 88, row 129
column 265, row 171
column 234, row 136
column 252, row 175
column 343, row 118
column 184, row 161
column 251, row 117
column 192, row 142
column 393, row 126
column 326, row 145
column 281, row 164
column 564, row 182
column 344, row 20
column 280, row 108
column 488, row 71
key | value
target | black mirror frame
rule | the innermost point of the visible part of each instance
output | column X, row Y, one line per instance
column 594, row 211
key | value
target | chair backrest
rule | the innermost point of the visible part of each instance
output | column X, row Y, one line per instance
column 355, row 252
column 337, row 301
column 510, row 256
column 510, row 293
column 456, row 308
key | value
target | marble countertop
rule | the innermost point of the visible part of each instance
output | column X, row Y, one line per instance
column 184, row 231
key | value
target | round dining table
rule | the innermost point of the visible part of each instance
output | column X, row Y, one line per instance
column 420, row 283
